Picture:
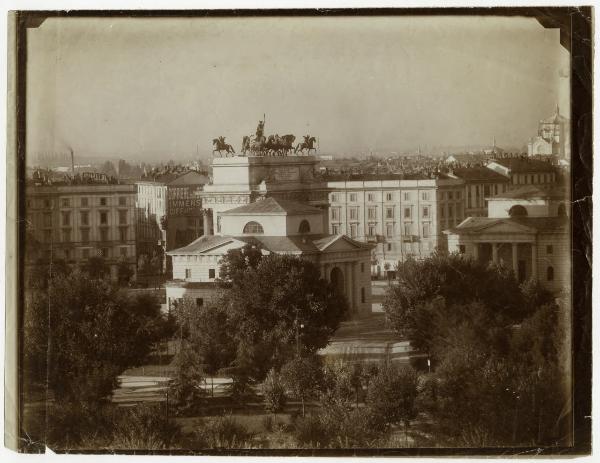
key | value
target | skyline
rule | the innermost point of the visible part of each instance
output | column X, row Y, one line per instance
column 152, row 88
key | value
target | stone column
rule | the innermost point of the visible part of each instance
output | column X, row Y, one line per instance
column 495, row 253
column 514, row 259
column 476, row 251
column 207, row 221
column 355, row 285
column 534, row 260
column 348, row 284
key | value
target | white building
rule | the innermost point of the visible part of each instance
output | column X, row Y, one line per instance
column 553, row 138
column 526, row 229
column 279, row 226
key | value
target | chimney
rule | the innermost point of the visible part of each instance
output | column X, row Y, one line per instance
column 72, row 162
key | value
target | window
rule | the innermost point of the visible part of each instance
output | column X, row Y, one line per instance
column 104, row 234
column 352, row 197
column 389, row 246
column 372, row 213
column 47, row 219
column 372, row 231
column 66, row 235
column 335, row 213
column 103, row 218
column 389, row 196
column 550, row 273
column 304, row 227
column 188, row 273
column 66, row 219
column 371, row 197
column 406, row 196
column 549, row 249
column 353, row 230
column 46, row 203
column 462, row 249
column 517, row 211
column 123, row 234
column 104, row 253
column 335, row 229
column 334, row 198
column 425, row 196
column 389, row 212
column 199, row 302
column 123, row 217
column 353, row 213
column 103, row 201
column 362, row 267
column 442, row 212
column 211, row 273
column 122, row 201
column 65, row 202
column 495, row 189
column 123, row 252
column 408, row 229
column 450, row 211
column 85, row 235
column 425, row 230
column 85, row 253
column 363, row 297
column 389, row 229
column 253, row 228
column 85, row 217
column 486, row 190
column 407, row 212
column 47, row 235
column 450, row 195
column 84, row 202
column 458, row 195
column 425, row 211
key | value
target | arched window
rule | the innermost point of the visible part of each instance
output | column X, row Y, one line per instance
column 550, row 273
column 517, row 211
column 304, row 227
column 253, row 228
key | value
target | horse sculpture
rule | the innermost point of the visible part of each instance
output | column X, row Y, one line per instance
column 308, row 144
column 220, row 145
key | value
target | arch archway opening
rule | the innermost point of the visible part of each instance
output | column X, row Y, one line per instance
column 517, row 211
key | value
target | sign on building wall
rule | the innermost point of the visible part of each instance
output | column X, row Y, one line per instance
column 184, row 200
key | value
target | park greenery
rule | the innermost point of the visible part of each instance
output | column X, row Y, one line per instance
column 498, row 350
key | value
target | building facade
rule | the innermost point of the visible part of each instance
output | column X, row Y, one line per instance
column 528, row 230
column 524, row 171
column 168, row 213
column 553, row 138
column 77, row 222
column 480, row 184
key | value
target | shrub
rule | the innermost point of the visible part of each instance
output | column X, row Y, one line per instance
column 223, row 433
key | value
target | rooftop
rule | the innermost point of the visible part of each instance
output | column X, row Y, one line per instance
column 475, row 174
column 524, row 165
column 533, row 192
column 274, row 206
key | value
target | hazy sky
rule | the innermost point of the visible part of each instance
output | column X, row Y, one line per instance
column 159, row 87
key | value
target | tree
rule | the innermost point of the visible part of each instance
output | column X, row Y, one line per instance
column 302, row 376
column 96, row 267
column 84, row 332
column 440, row 286
column 279, row 306
column 186, row 388
column 392, row 395
column 273, row 392
column 124, row 271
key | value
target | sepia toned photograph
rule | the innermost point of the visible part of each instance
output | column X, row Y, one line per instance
column 301, row 232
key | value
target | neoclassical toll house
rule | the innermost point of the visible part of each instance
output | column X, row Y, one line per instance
column 280, row 226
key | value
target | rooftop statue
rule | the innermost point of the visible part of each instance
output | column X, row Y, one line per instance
column 220, row 145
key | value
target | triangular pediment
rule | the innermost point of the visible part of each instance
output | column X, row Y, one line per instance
column 341, row 243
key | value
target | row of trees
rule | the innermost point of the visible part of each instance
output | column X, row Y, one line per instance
column 500, row 350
